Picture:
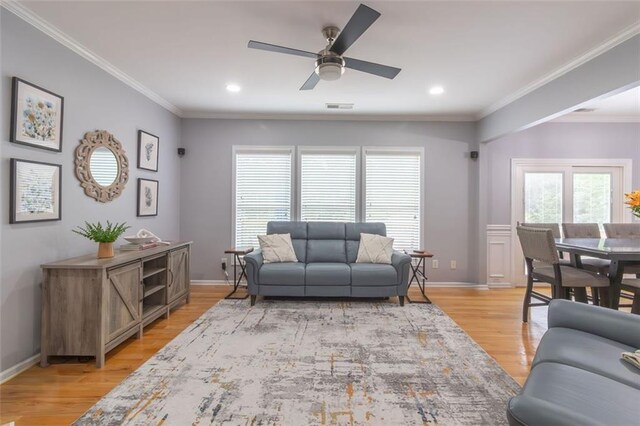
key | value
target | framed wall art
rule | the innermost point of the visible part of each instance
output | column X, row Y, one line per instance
column 148, row 146
column 36, row 116
column 35, row 191
column 147, row 197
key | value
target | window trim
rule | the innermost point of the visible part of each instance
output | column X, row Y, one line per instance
column 249, row 149
column 395, row 150
column 329, row 150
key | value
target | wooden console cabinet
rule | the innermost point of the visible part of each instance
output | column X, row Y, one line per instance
column 90, row 305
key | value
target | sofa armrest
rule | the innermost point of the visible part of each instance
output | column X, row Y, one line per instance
column 524, row 410
column 613, row 325
column 253, row 262
column 400, row 261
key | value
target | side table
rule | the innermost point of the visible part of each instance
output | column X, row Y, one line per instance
column 419, row 274
column 238, row 253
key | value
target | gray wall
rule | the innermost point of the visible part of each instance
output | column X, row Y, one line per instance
column 450, row 221
column 93, row 100
column 554, row 140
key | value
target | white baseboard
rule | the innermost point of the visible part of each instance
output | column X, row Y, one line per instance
column 501, row 285
column 12, row 372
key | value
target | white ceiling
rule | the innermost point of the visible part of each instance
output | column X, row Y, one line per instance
column 481, row 52
column 623, row 106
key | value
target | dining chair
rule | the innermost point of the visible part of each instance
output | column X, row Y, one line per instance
column 622, row 230
column 625, row 230
column 587, row 230
column 543, row 264
column 555, row 230
column 633, row 286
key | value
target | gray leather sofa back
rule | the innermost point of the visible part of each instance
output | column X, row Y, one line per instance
column 335, row 242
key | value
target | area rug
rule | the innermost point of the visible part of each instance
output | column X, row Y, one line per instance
column 303, row 362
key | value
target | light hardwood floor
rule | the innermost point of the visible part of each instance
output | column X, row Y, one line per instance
column 59, row 394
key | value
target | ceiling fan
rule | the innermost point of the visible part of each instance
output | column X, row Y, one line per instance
column 329, row 62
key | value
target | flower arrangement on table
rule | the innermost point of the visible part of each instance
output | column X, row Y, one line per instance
column 633, row 201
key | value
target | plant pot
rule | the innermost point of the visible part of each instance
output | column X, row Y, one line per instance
column 105, row 250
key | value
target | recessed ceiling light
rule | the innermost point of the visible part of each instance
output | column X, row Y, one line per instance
column 234, row 88
column 436, row 90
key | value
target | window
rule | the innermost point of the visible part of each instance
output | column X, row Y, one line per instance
column 328, row 186
column 262, row 192
column 342, row 184
column 542, row 197
column 393, row 194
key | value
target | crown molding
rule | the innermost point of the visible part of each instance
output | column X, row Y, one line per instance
column 621, row 37
column 597, row 118
column 344, row 116
column 31, row 18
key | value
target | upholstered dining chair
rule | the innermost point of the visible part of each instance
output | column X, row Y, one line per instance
column 634, row 287
column 631, row 231
column 543, row 264
column 555, row 230
column 587, row 230
column 622, row 230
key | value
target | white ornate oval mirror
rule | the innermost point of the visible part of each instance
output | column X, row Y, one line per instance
column 101, row 166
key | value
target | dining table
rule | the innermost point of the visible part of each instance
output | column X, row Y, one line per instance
column 619, row 251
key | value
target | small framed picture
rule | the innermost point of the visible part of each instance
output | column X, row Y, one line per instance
column 36, row 116
column 147, row 197
column 35, row 191
column 148, row 146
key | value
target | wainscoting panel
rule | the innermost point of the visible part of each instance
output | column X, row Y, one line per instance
column 499, row 269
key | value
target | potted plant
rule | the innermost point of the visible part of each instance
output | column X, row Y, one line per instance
column 104, row 236
column 633, row 201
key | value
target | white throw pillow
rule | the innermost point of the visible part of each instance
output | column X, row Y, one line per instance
column 277, row 248
column 375, row 249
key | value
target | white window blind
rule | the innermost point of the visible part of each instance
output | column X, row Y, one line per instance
column 328, row 186
column 263, row 193
column 392, row 195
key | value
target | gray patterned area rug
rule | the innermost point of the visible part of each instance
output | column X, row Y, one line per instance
column 299, row 362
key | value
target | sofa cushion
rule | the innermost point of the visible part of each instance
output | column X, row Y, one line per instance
column 298, row 231
column 375, row 249
column 277, row 248
column 587, row 351
column 326, row 230
column 354, row 230
column 282, row 274
column 598, row 398
column 327, row 274
column 373, row 274
column 326, row 251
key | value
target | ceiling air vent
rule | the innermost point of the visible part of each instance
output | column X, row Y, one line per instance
column 585, row 110
column 339, row 106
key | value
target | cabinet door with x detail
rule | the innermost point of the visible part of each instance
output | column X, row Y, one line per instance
column 123, row 299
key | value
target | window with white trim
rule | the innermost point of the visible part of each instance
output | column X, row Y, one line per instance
column 263, row 188
column 328, row 188
column 393, row 194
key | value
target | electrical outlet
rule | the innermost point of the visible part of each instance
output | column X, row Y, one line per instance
column 434, row 264
column 223, row 263
column 454, row 264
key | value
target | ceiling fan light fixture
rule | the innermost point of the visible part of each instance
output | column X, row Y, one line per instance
column 330, row 66
column 329, row 72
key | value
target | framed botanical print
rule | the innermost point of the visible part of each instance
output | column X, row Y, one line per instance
column 36, row 116
column 148, row 146
column 147, row 197
column 35, row 191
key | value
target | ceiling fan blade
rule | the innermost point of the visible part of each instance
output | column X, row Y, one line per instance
column 362, row 19
column 311, row 82
column 372, row 68
column 281, row 49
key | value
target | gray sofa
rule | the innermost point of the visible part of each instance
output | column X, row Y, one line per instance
column 326, row 266
column 577, row 376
